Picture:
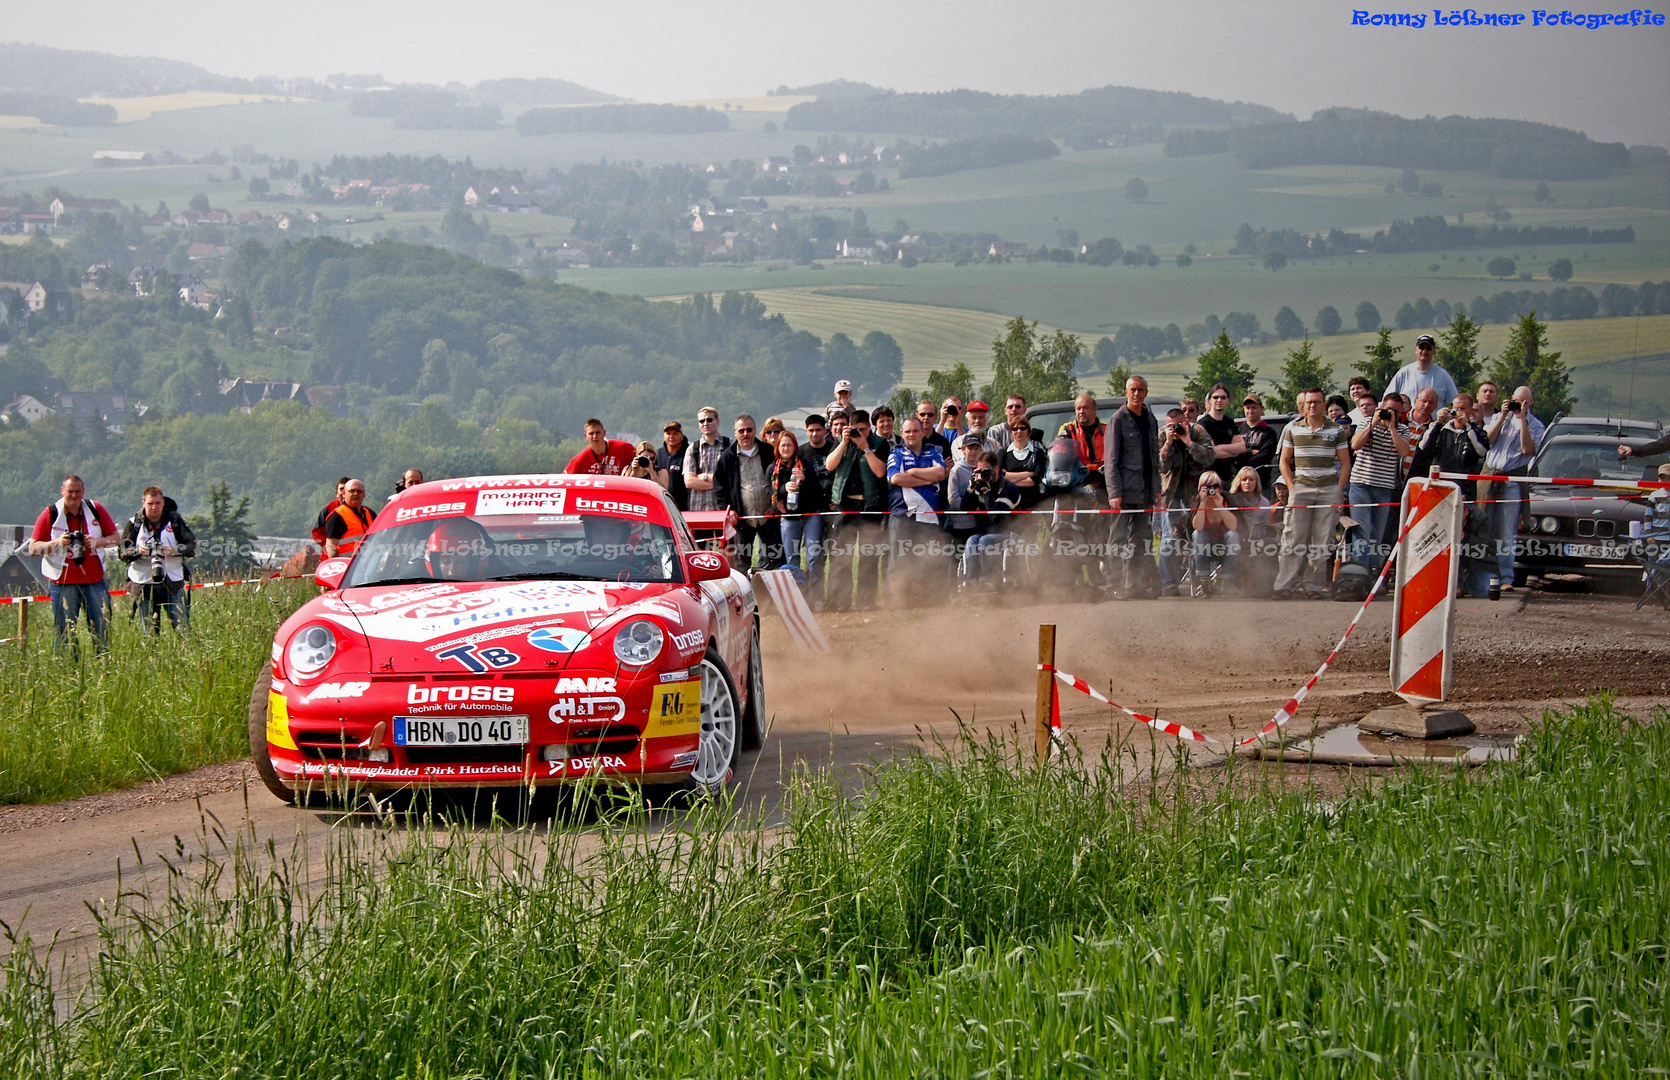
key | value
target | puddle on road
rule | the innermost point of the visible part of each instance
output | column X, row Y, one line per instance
column 1350, row 745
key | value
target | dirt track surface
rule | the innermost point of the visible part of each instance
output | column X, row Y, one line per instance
column 1222, row 667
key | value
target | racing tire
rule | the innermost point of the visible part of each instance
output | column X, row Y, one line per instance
column 719, row 743
column 258, row 699
column 753, row 713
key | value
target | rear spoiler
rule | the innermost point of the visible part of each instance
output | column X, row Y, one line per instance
column 709, row 527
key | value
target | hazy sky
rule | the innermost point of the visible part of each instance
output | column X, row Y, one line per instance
column 1296, row 56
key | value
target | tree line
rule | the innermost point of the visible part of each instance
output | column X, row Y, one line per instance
column 960, row 114
column 984, row 152
column 1508, row 148
column 652, row 119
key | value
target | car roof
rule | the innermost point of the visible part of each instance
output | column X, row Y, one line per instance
column 453, row 485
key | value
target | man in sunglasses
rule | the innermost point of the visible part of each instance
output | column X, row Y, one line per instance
column 998, row 437
column 701, row 458
column 1227, row 444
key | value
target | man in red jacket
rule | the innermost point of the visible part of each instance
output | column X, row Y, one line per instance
column 602, row 456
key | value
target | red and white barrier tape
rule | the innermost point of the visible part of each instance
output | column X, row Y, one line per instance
column 1289, row 710
column 201, row 585
column 1158, row 725
column 1572, row 481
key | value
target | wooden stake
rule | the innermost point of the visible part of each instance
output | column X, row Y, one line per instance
column 23, row 627
column 1046, row 689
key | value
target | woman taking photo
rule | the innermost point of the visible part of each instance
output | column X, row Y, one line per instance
column 797, row 499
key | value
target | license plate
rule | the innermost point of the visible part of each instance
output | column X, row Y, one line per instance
column 1609, row 552
column 460, row 731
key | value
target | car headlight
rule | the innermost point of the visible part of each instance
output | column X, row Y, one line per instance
column 310, row 650
column 1550, row 525
column 638, row 642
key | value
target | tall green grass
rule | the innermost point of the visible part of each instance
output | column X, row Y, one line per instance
column 960, row 918
column 73, row 722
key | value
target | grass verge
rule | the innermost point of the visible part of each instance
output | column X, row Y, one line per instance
column 962, row 918
column 75, row 722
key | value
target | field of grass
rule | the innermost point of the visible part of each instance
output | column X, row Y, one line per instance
column 966, row 917
column 149, row 707
column 931, row 337
column 132, row 109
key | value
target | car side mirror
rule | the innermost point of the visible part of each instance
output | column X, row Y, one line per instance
column 702, row 566
column 329, row 573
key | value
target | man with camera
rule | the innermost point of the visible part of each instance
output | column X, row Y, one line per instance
column 976, row 484
column 1456, row 444
column 155, row 544
column 409, row 478
column 1186, row 451
column 68, row 537
column 858, row 492
column 1379, row 448
column 1513, row 436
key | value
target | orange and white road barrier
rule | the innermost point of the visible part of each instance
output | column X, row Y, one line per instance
column 1427, row 568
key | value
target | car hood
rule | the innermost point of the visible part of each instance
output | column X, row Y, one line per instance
column 1562, row 500
column 477, row 627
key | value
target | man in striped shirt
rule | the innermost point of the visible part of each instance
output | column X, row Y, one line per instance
column 1314, row 460
column 1380, row 446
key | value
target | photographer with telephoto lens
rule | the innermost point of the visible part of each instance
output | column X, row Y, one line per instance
column 155, row 544
column 68, row 537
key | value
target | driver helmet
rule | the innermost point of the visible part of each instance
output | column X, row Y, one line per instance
column 457, row 551
column 1065, row 470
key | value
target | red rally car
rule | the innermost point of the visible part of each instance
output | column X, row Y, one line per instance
column 498, row 631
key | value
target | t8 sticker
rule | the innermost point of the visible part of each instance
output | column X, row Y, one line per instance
column 675, row 709
column 477, row 659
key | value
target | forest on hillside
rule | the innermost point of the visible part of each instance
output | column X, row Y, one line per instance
column 477, row 367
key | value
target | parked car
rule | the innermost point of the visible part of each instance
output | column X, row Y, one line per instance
column 1573, row 529
column 506, row 631
column 1609, row 426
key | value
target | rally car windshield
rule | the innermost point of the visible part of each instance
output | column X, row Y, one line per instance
column 1591, row 461
column 573, row 547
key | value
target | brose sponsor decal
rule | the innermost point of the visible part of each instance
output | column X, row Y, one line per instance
column 675, row 709
column 609, row 506
column 412, row 513
column 690, row 640
column 423, row 695
column 336, row 690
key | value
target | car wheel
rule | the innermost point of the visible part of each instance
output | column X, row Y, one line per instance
column 258, row 701
column 718, row 746
column 753, row 714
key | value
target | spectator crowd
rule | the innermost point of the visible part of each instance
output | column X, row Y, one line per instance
column 1135, row 506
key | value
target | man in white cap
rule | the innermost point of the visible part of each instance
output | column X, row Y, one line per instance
column 843, row 398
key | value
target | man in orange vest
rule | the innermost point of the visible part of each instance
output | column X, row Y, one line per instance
column 347, row 524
